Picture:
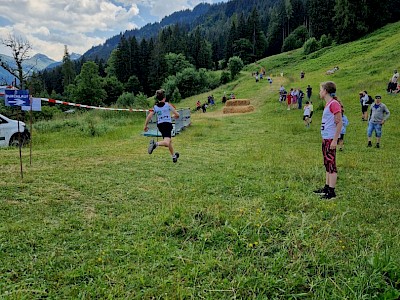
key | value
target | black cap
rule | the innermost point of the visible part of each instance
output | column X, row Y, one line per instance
column 378, row 97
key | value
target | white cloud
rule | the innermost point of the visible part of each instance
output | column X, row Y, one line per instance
column 80, row 24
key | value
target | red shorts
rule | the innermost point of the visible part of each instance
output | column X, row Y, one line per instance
column 329, row 156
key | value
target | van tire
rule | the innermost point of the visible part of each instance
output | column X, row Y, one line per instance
column 14, row 140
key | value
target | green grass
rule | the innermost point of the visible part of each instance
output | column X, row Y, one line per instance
column 96, row 217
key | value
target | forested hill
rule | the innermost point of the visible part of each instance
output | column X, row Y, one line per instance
column 342, row 20
column 148, row 31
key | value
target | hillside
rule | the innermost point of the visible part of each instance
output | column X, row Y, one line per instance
column 96, row 216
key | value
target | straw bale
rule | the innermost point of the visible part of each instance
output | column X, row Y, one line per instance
column 237, row 102
column 238, row 109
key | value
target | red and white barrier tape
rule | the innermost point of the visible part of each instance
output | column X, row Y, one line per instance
column 93, row 107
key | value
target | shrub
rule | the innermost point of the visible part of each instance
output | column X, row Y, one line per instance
column 296, row 39
column 176, row 96
column 310, row 46
column 325, row 41
column 225, row 77
column 126, row 100
column 235, row 65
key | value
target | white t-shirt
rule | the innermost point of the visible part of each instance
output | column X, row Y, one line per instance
column 395, row 77
column 307, row 110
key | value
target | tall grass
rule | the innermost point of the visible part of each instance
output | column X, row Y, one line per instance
column 97, row 217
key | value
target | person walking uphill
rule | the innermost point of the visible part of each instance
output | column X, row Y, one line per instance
column 379, row 114
column 330, row 131
column 163, row 110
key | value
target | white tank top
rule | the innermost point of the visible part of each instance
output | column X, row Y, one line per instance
column 328, row 126
column 163, row 113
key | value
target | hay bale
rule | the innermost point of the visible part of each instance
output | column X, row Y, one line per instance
column 238, row 109
column 237, row 102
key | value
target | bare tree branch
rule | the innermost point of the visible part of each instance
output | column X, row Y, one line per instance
column 20, row 49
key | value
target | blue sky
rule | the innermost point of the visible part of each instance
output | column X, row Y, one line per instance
column 48, row 25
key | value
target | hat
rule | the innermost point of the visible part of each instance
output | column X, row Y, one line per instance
column 378, row 97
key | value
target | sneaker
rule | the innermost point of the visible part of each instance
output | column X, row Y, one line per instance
column 369, row 144
column 323, row 190
column 175, row 157
column 152, row 146
column 328, row 196
column 377, row 145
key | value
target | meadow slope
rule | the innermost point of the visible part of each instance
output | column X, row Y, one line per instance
column 96, row 217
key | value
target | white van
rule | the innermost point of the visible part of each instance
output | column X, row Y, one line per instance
column 9, row 132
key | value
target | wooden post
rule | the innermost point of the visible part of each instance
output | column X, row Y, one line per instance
column 19, row 146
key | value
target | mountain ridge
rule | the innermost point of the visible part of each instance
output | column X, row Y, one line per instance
column 37, row 62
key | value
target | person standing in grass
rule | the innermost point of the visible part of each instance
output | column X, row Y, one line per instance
column 289, row 99
column 163, row 110
column 331, row 127
column 306, row 114
column 379, row 114
column 364, row 105
column 309, row 92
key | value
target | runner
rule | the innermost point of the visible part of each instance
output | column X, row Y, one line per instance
column 164, row 124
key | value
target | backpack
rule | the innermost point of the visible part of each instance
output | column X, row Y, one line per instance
column 370, row 100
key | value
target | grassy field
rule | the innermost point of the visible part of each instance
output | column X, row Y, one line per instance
column 96, row 217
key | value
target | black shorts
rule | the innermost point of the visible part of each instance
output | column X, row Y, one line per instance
column 165, row 129
column 306, row 116
column 364, row 108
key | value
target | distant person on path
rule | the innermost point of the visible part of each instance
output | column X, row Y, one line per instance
column 306, row 114
column 163, row 111
column 345, row 122
column 289, row 99
column 392, row 86
column 198, row 105
column 309, row 92
column 331, row 127
column 302, row 75
column 300, row 99
column 364, row 105
column 311, row 111
column 379, row 114
column 204, row 107
column 282, row 95
column 295, row 94
column 224, row 98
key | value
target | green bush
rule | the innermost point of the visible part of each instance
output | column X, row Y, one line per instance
column 325, row 41
column 296, row 39
column 310, row 46
column 176, row 96
column 126, row 100
column 235, row 65
column 225, row 77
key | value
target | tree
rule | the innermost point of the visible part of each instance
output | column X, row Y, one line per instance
column 244, row 49
column 133, row 85
column 321, row 15
column 350, row 20
column 311, row 45
column 20, row 49
column 68, row 70
column 176, row 63
column 89, row 87
column 235, row 65
column 289, row 15
column 114, row 89
column 296, row 39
